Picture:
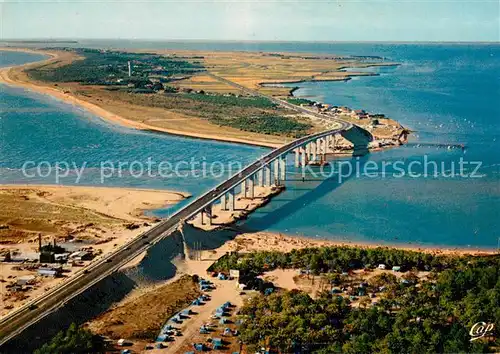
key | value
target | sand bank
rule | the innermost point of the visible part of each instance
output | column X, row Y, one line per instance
column 243, row 206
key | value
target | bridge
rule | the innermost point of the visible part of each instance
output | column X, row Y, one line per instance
column 267, row 171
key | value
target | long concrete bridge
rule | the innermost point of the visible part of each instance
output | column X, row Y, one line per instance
column 268, row 170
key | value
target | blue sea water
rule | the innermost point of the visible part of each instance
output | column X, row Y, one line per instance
column 446, row 93
column 8, row 58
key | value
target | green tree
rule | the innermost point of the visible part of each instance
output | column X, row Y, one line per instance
column 73, row 340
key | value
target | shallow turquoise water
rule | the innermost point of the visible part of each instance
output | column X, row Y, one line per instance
column 447, row 93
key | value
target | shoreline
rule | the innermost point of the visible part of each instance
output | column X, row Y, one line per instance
column 341, row 69
column 184, row 195
column 103, row 114
column 5, row 78
column 269, row 241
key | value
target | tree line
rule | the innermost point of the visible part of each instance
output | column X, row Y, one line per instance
column 433, row 315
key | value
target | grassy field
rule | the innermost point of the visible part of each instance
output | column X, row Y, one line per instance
column 142, row 317
column 231, row 100
column 299, row 101
column 252, row 114
column 106, row 67
column 102, row 78
column 268, row 124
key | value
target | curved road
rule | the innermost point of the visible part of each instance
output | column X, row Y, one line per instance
column 14, row 323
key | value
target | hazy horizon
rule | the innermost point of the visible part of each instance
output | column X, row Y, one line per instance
column 255, row 20
column 201, row 40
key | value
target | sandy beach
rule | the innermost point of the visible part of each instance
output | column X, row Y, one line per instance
column 268, row 241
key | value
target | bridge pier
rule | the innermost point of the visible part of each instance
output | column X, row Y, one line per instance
column 329, row 143
column 276, row 170
column 267, row 177
column 297, row 157
column 244, row 188
column 304, row 158
column 223, row 202
column 231, row 200
column 251, row 187
column 260, row 177
column 282, row 160
column 314, row 150
column 208, row 212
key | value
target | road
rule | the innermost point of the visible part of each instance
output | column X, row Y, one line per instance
column 278, row 101
column 19, row 320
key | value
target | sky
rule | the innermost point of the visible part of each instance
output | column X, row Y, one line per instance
column 253, row 20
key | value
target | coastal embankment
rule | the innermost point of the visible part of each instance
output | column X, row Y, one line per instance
column 244, row 204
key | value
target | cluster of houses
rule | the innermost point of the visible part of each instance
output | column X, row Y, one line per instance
column 48, row 255
column 346, row 111
column 47, row 263
column 353, row 113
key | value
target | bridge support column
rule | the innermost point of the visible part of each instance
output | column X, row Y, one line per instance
column 223, row 202
column 276, row 168
column 231, row 200
column 282, row 160
column 304, row 159
column 251, row 189
column 323, row 149
column 329, row 142
column 267, row 177
column 208, row 210
column 297, row 157
column 244, row 188
column 313, row 151
column 260, row 177
column 334, row 139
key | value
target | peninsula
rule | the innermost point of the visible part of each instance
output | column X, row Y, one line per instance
column 228, row 96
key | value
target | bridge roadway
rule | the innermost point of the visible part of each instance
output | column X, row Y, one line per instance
column 27, row 315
